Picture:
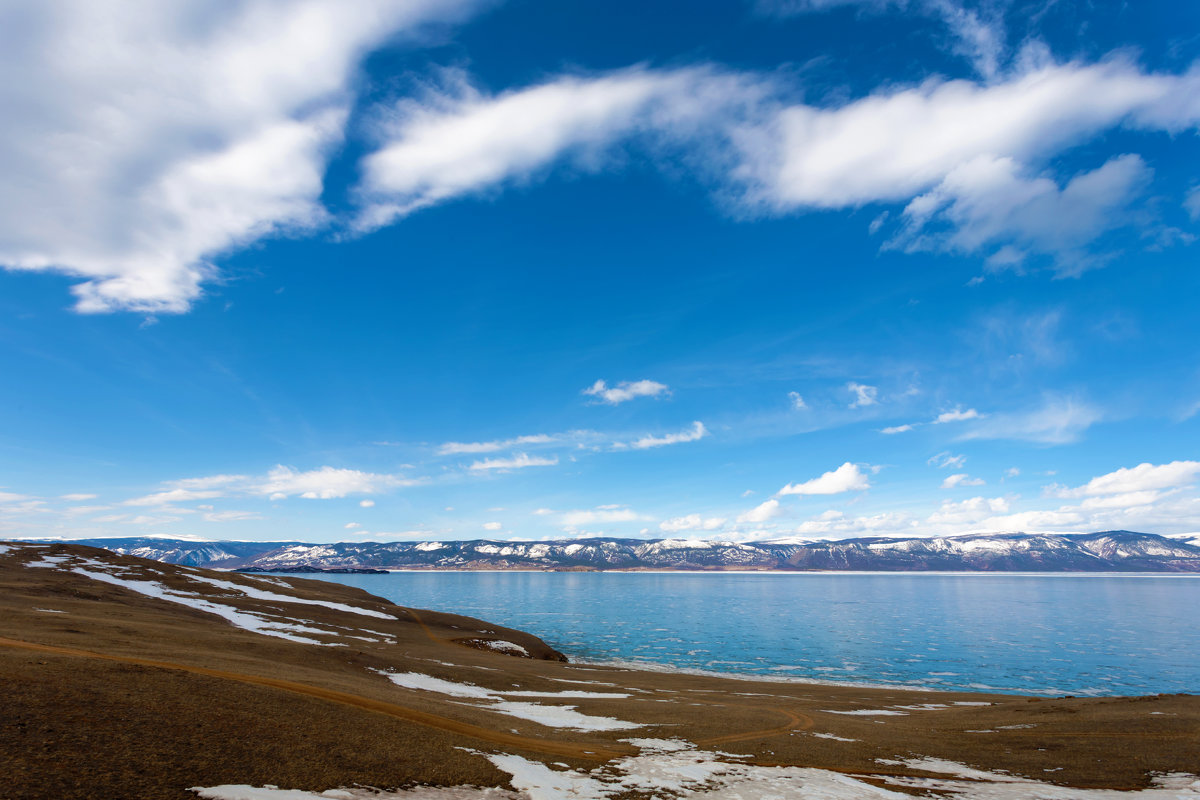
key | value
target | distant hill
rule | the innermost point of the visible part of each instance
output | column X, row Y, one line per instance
column 1105, row 551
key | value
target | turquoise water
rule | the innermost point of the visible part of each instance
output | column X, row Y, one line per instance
column 1053, row 635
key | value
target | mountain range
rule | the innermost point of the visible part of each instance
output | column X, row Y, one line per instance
column 1105, row 551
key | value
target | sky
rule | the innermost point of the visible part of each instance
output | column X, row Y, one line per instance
column 458, row 269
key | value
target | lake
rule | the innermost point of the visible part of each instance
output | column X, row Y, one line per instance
column 1040, row 634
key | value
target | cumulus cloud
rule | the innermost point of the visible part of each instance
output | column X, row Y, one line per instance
column 691, row 522
column 961, row 479
column 846, row 478
column 1059, row 420
column 492, row 526
column 517, row 461
column 452, row 448
column 143, row 140
column 762, row 512
column 366, row 503
column 835, row 524
column 968, row 512
column 626, row 390
column 863, row 395
column 1143, row 477
column 797, row 401
column 692, row 434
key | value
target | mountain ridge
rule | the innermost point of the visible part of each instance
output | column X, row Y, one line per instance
column 1102, row 551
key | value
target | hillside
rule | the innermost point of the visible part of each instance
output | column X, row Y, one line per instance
column 1106, row 551
column 128, row 678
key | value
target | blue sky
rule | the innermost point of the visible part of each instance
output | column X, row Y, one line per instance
column 418, row 270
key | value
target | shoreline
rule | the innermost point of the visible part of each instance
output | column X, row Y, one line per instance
column 158, row 678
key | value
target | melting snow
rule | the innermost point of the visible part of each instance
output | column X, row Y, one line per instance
column 550, row 716
column 503, row 646
column 865, row 712
column 240, row 619
column 260, row 594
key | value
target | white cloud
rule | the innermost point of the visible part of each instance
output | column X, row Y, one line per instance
column 1012, row 472
column 691, row 522
column 1192, row 203
column 846, row 478
column 206, row 482
column 693, row 434
column 835, row 524
column 542, row 512
column 957, row 415
column 145, row 139
column 991, row 202
column 457, row 140
column 961, row 479
column 626, row 390
column 797, row 401
column 77, row 497
column 517, row 461
column 172, row 496
column 946, row 460
column 863, row 395
column 230, row 516
column 450, row 448
column 897, row 429
column 897, row 143
column 762, row 512
column 351, row 526
column 575, row 518
column 366, row 503
column 967, row 512
column 326, row 483
column 1059, row 420
column 1141, row 478
column 492, row 526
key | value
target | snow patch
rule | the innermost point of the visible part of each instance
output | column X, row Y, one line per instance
column 261, row 594
column 549, row 716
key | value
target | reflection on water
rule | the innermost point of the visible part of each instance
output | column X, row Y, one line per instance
column 1018, row 633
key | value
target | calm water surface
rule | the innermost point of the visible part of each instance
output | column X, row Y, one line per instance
column 1060, row 634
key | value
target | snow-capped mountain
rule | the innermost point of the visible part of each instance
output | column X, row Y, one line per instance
column 1106, row 551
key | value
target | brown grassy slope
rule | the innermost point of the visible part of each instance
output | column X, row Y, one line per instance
column 125, row 695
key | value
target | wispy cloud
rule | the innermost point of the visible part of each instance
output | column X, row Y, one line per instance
column 326, row 483
column 692, row 434
column 864, row 395
column 625, row 391
column 1059, row 420
column 453, row 448
column 957, row 415
column 961, row 479
column 894, row 429
column 517, row 461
